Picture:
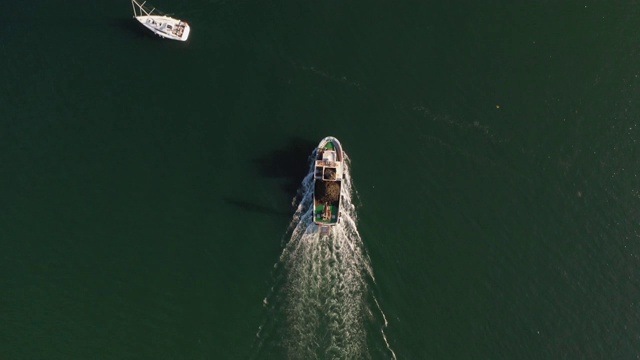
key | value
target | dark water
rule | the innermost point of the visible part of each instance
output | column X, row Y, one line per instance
column 146, row 185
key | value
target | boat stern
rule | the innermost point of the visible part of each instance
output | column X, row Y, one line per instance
column 324, row 230
column 185, row 32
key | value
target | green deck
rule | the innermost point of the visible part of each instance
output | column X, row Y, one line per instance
column 320, row 210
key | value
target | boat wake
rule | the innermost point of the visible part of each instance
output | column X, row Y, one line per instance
column 319, row 305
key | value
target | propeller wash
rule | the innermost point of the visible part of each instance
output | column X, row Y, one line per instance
column 321, row 305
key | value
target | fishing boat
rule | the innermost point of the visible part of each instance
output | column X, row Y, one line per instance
column 159, row 23
column 327, row 187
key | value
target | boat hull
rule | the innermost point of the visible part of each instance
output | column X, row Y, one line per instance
column 327, row 189
column 166, row 27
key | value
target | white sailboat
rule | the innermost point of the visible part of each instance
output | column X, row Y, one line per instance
column 160, row 24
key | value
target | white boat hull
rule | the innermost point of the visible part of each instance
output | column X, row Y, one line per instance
column 166, row 27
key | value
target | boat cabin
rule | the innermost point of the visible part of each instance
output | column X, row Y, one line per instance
column 328, row 167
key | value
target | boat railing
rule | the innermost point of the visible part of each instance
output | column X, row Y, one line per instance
column 147, row 10
column 326, row 163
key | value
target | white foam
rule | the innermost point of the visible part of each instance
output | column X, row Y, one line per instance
column 322, row 282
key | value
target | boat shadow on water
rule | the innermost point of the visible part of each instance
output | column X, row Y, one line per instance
column 256, row 208
column 134, row 28
column 289, row 163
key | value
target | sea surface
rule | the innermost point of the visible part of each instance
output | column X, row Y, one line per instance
column 153, row 192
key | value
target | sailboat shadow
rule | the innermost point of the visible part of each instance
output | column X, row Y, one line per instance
column 133, row 27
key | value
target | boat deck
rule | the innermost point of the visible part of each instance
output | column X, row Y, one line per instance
column 319, row 214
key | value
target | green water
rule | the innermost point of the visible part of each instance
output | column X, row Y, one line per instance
column 146, row 185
